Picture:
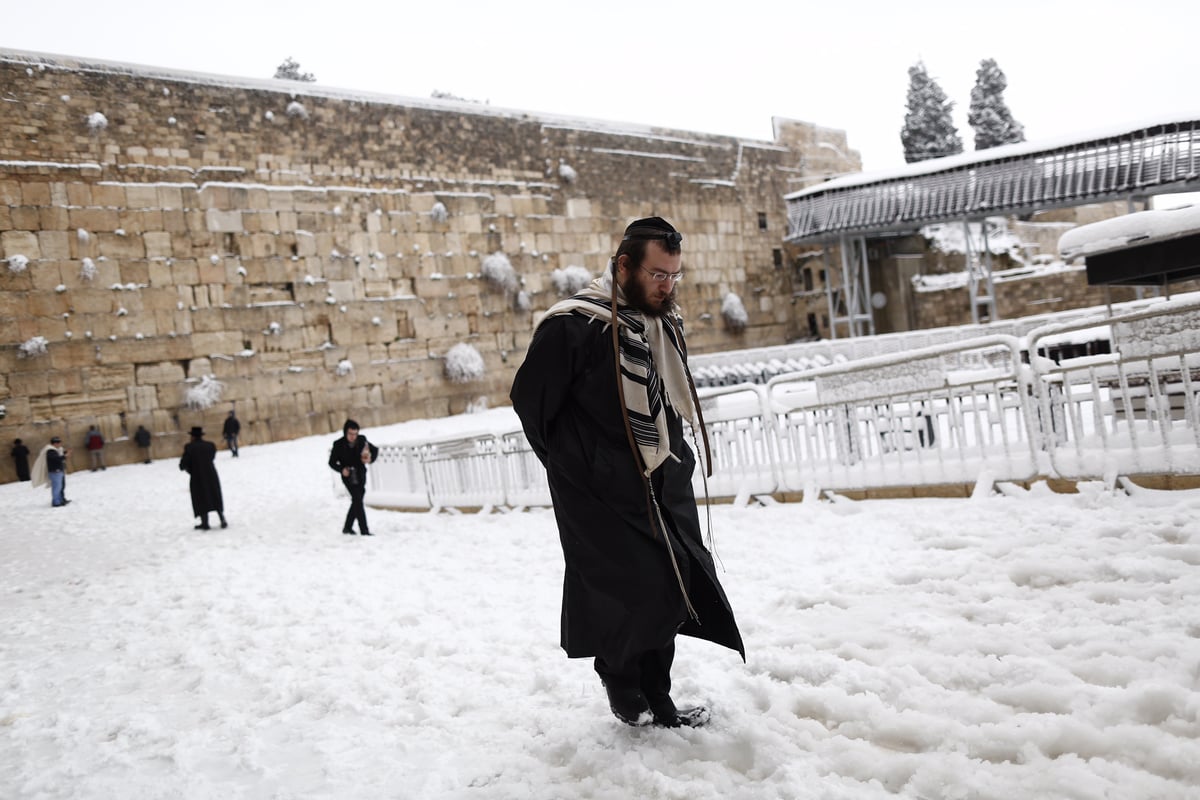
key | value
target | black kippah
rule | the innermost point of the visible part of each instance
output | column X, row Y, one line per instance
column 653, row 228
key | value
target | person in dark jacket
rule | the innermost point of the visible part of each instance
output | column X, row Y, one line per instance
column 349, row 457
column 198, row 460
column 230, row 431
column 620, row 474
column 141, row 437
column 20, row 456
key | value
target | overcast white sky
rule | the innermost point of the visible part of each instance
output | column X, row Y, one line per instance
column 714, row 67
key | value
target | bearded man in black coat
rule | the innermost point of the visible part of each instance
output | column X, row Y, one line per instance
column 198, row 461
column 603, row 407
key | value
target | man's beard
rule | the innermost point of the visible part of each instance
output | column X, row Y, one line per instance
column 637, row 297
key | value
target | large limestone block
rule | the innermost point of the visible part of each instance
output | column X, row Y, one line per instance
column 219, row 221
column 104, row 378
column 19, row 243
column 162, row 372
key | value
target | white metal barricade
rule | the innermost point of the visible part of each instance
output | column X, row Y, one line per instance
column 464, row 471
column 1133, row 411
column 397, row 479
column 951, row 413
column 524, row 476
column 906, row 419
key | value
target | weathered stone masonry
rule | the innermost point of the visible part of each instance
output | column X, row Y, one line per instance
column 318, row 252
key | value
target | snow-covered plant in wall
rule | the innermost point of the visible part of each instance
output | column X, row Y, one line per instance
column 567, row 173
column 82, row 235
column 500, row 273
column 32, row 348
column 87, row 269
column 439, row 213
column 17, row 263
column 204, row 394
column 122, row 311
column 344, row 367
column 273, row 329
column 570, row 279
column 97, row 121
column 733, row 312
column 297, row 110
column 464, row 364
column 523, row 302
column 270, row 115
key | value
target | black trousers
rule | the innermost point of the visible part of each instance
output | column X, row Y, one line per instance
column 357, row 510
column 648, row 672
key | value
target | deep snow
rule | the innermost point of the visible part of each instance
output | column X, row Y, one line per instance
column 1029, row 646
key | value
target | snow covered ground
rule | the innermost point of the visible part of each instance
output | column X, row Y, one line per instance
column 1038, row 646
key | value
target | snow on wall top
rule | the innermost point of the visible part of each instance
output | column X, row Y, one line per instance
column 300, row 88
column 1130, row 230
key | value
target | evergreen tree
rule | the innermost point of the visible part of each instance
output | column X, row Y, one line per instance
column 928, row 130
column 989, row 115
column 289, row 70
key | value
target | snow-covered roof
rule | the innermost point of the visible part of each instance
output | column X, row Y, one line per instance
column 300, row 88
column 1001, row 153
column 1130, row 230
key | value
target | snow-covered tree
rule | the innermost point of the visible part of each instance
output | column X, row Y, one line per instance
column 289, row 70
column 928, row 130
column 989, row 115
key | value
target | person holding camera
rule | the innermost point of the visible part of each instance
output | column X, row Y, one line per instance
column 349, row 457
column 50, row 469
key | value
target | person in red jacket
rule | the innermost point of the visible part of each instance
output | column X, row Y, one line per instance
column 95, row 446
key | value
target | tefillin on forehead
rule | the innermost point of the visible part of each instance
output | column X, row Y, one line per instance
column 655, row 228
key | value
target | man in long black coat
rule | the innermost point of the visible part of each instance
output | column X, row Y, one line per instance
column 198, row 461
column 620, row 472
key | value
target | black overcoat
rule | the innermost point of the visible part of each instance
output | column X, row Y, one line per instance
column 197, row 461
column 621, row 596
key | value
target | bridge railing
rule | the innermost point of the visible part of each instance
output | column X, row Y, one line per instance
column 989, row 408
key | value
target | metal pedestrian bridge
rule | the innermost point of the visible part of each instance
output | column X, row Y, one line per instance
column 1121, row 164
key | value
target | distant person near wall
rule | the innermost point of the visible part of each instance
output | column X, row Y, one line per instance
column 50, row 469
column 95, row 446
column 230, row 431
column 141, row 437
column 20, row 456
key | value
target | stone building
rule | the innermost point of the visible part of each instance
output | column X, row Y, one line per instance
column 174, row 245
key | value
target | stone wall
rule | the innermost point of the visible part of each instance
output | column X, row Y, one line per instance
column 318, row 252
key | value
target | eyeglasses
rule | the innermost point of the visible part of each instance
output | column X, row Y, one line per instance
column 663, row 277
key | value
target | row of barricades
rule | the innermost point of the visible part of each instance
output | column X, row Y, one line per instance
column 990, row 408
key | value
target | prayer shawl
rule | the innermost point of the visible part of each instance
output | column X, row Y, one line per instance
column 653, row 366
column 40, row 476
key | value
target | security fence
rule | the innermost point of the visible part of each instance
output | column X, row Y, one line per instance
column 987, row 409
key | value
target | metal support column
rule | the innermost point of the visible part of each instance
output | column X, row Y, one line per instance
column 849, row 303
column 979, row 275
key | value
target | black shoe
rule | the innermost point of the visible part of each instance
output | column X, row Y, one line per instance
column 629, row 706
column 202, row 528
column 224, row 524
column 684, row 718
column 349, row 531
column 366, row 533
